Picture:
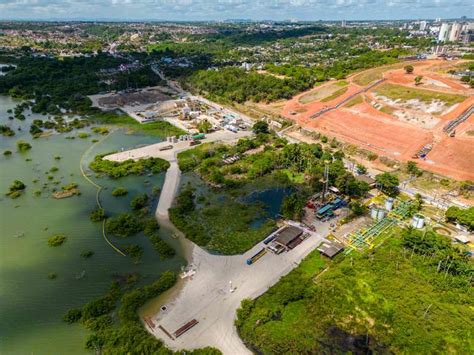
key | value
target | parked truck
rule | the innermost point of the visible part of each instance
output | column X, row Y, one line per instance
column 257, row 256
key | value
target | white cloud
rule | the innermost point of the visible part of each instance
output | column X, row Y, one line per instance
column 222, row 9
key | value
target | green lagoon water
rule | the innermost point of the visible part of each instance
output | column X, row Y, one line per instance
column 31, row 305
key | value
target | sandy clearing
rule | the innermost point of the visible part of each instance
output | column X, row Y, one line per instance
column 206, row 296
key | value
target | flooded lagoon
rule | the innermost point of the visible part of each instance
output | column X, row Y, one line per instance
column 32, row 305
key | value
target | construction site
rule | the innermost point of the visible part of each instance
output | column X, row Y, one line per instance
column 181, row 109
column 386, row 111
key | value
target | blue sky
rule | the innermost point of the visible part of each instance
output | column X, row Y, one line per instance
column 185, row 10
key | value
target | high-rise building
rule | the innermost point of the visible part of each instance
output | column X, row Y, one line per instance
column 343, row 23
column 444, row 32
column 422, row 25
column 455, row 32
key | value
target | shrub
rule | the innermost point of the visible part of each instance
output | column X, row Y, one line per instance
column 98, row 215
column 6, row 131
column 119, row 191
column 57, row 240
column 16, row 189
column 83, row 135
column 260, row 127
column 87, row 254
column 23, row 146
column 162, row 248
column 124, row 225
column 134, row 250
column 72, row 316
column 140, row 201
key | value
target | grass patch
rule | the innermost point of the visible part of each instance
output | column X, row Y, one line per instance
column 313, row 264
column 341, row 83
column 387, row 109
column 158, row 128
column 404, row 93
column 297, row 178
column 355, row 101
column 369, row 76
column 470, row 133
column 321, row 93
column 190, row 159
column 388, row 301
column 335, row 95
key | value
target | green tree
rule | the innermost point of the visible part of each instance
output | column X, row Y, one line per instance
column 387, row 183
column 413, row 170
column 409, row 69
column 260, row 127
column 204, row 126
column 361, row 169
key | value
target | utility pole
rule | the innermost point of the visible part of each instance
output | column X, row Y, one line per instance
column 325, row 182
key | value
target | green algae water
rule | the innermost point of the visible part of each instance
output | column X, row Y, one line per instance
column 31, row 304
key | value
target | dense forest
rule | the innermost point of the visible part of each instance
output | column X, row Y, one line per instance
column 231, row 84
column 237, row 85
column 56, row 84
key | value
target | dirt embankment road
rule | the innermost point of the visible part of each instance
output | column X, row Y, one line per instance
column 173, row 174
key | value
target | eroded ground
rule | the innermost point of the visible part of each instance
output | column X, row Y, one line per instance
column 396, row 118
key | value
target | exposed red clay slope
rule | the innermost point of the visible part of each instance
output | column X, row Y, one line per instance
column 384, row 134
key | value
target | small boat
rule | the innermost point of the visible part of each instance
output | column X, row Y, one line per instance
column 188, row 273
column 81, row 275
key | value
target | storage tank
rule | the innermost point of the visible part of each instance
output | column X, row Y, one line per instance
column 418, row 221
column 389, row 204
column 380, row 214
column 373, row 212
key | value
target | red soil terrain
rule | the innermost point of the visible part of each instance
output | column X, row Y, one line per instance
column 363, row 125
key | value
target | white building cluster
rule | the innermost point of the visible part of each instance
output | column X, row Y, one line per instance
column 456, row 31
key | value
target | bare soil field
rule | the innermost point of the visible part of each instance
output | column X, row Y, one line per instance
column 452, row 157
column 367, row 127
column 119, row 100
column 397, row 118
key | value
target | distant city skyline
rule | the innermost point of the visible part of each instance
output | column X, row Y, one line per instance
column 216, row 10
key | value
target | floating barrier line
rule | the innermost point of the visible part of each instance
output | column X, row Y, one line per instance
column 97, row 195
